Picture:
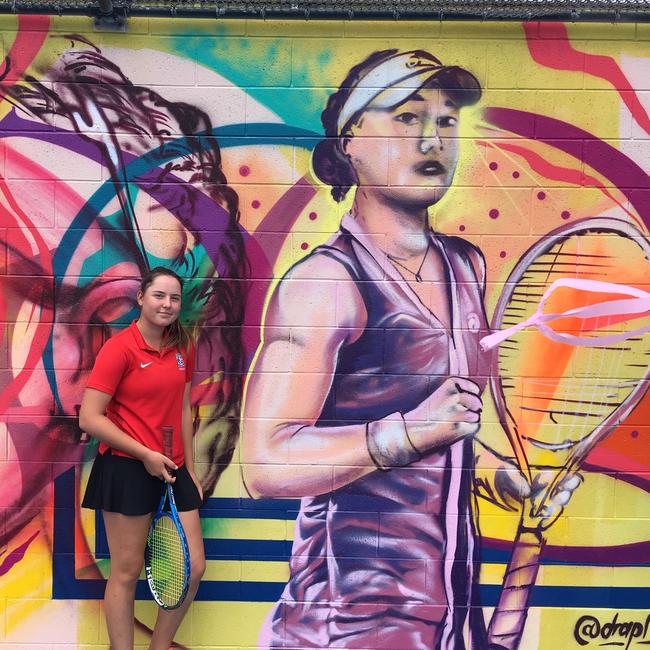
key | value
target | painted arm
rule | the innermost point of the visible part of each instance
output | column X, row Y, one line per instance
column 289, row 382
column 316, row 310
column 93, row 420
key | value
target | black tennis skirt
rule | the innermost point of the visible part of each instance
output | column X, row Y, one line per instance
column 120, row 484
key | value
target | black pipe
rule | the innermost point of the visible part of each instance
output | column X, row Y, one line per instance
column 106, row 7
column 567, row 12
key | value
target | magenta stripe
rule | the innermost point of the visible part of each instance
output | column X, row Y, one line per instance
column 623, row 172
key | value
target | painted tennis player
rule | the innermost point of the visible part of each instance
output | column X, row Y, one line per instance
column 368, row 381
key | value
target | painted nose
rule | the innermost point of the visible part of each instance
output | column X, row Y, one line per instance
column 430, row 137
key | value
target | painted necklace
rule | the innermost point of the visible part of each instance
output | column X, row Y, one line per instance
column 416, row 274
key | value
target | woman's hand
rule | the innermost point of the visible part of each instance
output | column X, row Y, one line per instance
column 159, row 465
column 553, row 505
column 511, row 485
column 199, row 487
column 451, row 412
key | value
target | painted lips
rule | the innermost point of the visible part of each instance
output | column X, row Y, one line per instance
column 430, row 168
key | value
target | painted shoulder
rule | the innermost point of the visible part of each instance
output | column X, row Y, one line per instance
column 468, row 252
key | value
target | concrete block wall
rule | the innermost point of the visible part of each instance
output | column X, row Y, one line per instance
column 188, row 143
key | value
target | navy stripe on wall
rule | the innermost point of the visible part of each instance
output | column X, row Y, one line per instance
column 65, row 584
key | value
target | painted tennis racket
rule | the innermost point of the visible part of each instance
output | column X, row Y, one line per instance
column 167, row 555
column 561, row 388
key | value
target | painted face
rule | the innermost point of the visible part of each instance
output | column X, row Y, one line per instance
column 408, row 153
column 160, row 304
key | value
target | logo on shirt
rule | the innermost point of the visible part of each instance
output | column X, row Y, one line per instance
column 473, row 322
column 144, row 365
column 180, row 361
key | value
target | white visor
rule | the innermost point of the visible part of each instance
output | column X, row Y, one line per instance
column 394, row 79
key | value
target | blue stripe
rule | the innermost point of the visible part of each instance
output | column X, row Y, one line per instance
column 248, row 549
column 589, row 597
column 66, row 586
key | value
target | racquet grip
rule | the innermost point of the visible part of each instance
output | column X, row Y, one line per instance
column 509, row 618
column 168, row 441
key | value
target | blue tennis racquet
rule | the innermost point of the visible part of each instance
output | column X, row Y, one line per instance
column 167, row 555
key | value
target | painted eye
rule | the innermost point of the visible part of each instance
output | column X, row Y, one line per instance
column 447, row 121
column 113, row 311
column 407, row 118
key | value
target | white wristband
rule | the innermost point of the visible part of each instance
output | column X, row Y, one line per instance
column 389, row 444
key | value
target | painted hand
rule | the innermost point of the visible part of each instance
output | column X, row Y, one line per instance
column 553, row 504
column 514, row 489
column 511, row 485
column 452, row 412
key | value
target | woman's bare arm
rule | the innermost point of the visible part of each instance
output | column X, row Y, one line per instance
column 187, row 436
column 93, row 420
column 313, row 312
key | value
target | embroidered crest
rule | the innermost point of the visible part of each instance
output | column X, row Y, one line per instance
column 180, row 361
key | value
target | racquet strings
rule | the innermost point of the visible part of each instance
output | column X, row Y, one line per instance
column 166, row 557
column 557, row 396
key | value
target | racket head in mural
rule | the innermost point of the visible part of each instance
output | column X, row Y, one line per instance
column 557, row 400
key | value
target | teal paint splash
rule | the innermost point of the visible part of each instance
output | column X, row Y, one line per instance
column 273, row 134
column 263, row 68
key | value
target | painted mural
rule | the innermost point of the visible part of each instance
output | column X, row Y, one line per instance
column 417, row 259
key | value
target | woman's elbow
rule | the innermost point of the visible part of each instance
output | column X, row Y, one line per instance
column 83, row 421
column 261, row 481
column 86, row 421
column 263, row 463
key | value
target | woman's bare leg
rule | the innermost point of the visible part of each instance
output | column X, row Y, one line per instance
column 127, row 537
column 168, row 620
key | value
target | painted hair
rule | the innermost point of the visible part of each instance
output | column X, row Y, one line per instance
column 181, row 136
column 176, row 335
column 330, row 162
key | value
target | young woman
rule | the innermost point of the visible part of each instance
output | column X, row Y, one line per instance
column 140, row 383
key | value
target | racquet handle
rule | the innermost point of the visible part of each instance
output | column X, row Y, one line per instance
column 168, row 441
column 509, row 618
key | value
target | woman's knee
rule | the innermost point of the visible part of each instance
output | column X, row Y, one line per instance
column 197, row 569
column 126, row 571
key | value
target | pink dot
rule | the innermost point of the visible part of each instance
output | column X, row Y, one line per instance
column 515, row 174
column 255, row 204
column 502, row 254
column 304, row 245
column 635, row 434
column 244, row 170
column 461, row 228
column 312, row 216
column 494, row 213
column 565, row 214
column 494, row 166
column 541, row 195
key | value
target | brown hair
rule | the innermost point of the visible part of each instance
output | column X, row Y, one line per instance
column 176, row 335
column 330, row 162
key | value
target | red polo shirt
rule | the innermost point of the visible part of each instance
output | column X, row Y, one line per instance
column 146, row 387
